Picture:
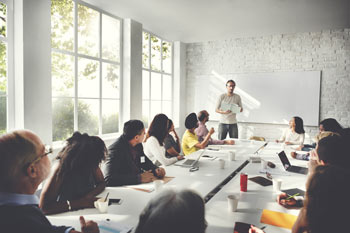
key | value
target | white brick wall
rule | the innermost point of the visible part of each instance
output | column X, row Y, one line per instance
column 328, row 51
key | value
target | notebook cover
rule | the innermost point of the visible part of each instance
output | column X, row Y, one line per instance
column 278, row 219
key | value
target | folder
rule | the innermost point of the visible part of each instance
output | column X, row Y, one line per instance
column 278, row 219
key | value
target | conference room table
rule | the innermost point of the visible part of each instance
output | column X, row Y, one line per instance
column 204, row 181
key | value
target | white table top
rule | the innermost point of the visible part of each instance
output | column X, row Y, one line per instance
column 203, row 181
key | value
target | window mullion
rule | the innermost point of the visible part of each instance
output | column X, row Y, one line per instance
column 149, row 79
column 100, row 78
column 161, row 76
column 75, row 66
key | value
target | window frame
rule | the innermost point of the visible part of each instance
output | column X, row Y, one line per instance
column 161, row 72
column 9, row 40
column 76, row 55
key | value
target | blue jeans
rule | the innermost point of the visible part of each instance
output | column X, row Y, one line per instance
column 232, row 129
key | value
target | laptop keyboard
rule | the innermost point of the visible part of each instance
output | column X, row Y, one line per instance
column 188, row 162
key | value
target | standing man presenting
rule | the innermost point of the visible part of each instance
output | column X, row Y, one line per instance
column 228, row 121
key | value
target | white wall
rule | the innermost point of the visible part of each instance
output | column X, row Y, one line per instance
column 328, row 51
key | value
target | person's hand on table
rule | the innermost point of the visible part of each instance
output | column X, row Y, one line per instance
column 288, row 204
column 89, row 226
column 293, row 154
column 230, row 142
column 288, row 143
column 180, row 157
column 147, row 177
column 254, row 229
column 160, row 172
column 277, row 141
column 227, row 112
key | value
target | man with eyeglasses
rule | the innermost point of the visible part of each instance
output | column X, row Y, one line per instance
column 24, row 165
column 228, row 121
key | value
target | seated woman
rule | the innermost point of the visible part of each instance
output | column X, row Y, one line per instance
column 326, row 209
column 154, row 142
column 172, row 142
column 330, row 125
column 295, row 134
column 78, row 177
column 173, row 212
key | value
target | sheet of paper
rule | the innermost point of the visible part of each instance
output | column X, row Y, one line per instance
column 148, row 187
column 278, row 219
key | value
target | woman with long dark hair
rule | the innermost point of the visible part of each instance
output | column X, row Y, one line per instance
column 295, row 134
column 172, row 142
column 78, row 177
column 154, row 142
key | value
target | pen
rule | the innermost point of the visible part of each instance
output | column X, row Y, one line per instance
column 292, row 196
column 106, row 197
column 263, row 227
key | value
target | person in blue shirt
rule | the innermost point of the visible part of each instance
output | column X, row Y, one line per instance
column 24, row 165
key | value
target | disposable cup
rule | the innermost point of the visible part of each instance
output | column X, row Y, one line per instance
column 263, row 165
column 231, row 155
column 222, row 163
column 276, row 183
column 232, row 201
column 158, row 185
column 101, row 205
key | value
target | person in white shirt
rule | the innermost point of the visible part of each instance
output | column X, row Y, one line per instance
column 295, row 134
column 154, row 142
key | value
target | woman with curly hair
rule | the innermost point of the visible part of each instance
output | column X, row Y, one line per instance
column 78, row 178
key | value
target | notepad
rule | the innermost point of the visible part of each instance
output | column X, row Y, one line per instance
column 278, row 219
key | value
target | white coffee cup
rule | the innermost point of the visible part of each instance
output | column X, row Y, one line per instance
column 101, row 205
column 263, row 164
column 231, row 155
column 232, row 201
column 222, row 163
column 276, row 183
column 158, row 185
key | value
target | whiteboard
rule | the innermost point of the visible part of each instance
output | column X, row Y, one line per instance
column 267, row 97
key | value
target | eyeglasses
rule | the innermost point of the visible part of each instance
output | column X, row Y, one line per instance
column 48, row 150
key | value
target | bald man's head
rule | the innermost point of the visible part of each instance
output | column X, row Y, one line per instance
column 18, row 149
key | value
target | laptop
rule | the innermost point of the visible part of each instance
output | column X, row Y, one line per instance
column 289, row 167
column 191, row 162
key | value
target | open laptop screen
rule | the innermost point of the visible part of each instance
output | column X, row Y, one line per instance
column 284, row 159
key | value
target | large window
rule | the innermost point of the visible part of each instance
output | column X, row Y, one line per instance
column 85, row 69
column 157, row 77
column 4, row 42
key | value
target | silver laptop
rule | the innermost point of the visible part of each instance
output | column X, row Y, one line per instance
column 191, row 162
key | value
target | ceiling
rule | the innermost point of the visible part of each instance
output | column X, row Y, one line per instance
column 207, row 20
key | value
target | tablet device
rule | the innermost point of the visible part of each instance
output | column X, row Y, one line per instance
column 291, row 192
column 261, row 180
column 116, row 201
column 241, row 227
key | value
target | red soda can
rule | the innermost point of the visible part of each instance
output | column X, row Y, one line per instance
column 244, row 182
